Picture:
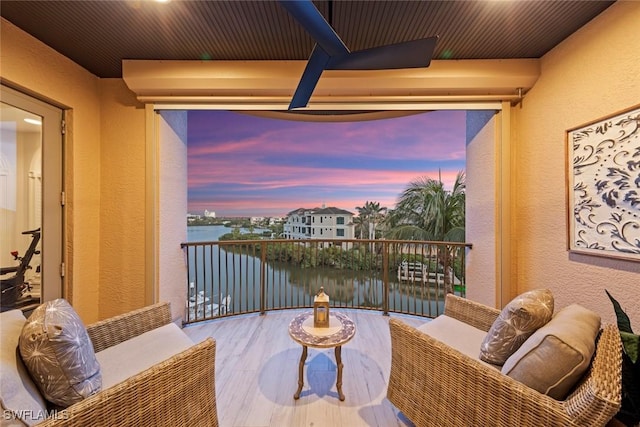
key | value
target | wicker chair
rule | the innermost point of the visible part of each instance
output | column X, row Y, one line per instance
column 435, row 385
column 179, row 391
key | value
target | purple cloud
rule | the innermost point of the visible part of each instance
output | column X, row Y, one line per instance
column 241, row 165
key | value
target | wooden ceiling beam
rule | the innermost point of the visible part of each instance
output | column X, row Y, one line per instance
column 270, row 84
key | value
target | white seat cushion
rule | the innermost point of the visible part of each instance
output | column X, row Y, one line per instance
column 133, row 356
column 456, row 334
column 18, row 393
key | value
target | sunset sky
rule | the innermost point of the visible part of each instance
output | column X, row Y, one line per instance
column 242, row 165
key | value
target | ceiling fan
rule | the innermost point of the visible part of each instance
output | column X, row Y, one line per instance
column 330, row 52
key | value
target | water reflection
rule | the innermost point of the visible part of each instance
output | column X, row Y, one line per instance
column 288, row 285
column 219, row 273
column 343, row 286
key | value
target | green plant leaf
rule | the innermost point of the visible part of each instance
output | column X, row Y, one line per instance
column 624, row 324
column 630, row 343
column 630, row 409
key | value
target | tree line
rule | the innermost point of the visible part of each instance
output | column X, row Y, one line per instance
column 425, row 211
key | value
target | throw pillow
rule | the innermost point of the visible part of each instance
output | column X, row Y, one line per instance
column 556, row 356
column 59, row 355
column 515, row 323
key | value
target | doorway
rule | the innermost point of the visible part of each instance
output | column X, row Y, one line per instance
column 31, row 201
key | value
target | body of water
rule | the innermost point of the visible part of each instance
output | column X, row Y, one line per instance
column 211, row 233
column 219, row 273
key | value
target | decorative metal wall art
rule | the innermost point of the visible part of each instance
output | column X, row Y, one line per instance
column 604, row 186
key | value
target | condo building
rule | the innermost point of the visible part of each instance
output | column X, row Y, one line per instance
column 319, row 223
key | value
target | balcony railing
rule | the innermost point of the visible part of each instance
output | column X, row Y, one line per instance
column 248, row 276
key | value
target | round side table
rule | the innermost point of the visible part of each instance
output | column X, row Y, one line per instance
column 341, row 329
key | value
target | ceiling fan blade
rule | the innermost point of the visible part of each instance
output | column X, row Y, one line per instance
column 411, row 54
column 312, row 72
column 331, row 53
column 307, row 15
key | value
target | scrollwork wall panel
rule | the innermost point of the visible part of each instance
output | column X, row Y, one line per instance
column 604, row 186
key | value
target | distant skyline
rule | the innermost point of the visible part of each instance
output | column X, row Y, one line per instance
column 243, row 165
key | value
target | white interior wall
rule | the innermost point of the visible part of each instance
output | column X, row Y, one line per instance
column 172, row 269
column 481, row 227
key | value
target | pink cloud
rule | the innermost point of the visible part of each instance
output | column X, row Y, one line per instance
column 398, row 138
column 245, row 161
column 266, row 176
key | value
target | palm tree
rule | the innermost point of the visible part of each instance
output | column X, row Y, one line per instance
column 371, row 214
column 427, row 211
column 360, row 226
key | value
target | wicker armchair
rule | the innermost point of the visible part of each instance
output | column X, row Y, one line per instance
column 179, row 391
column 435, row 385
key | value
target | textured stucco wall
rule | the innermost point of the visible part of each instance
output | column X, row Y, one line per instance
column 480, row 203
column 104, row 173
column 594, row 73
column 49, row 76
column 122, row 203
column 172, row 270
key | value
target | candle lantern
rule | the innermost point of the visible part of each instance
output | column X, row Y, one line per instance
column 321, row 310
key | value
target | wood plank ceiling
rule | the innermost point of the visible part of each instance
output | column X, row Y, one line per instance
column 98, row 35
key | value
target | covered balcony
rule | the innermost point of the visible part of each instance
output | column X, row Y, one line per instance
column 257, row 372
column 116, row 234
column 244, row 294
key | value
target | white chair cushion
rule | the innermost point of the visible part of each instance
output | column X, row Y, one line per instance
column 456, row 334
column 133, row 356
column 18, row 393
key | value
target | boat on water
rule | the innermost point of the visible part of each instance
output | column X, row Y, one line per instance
column 200, row 306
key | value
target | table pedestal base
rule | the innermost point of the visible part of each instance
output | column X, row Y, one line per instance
column 303, row 358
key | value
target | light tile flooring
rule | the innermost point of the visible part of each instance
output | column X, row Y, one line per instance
column 257, row 373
